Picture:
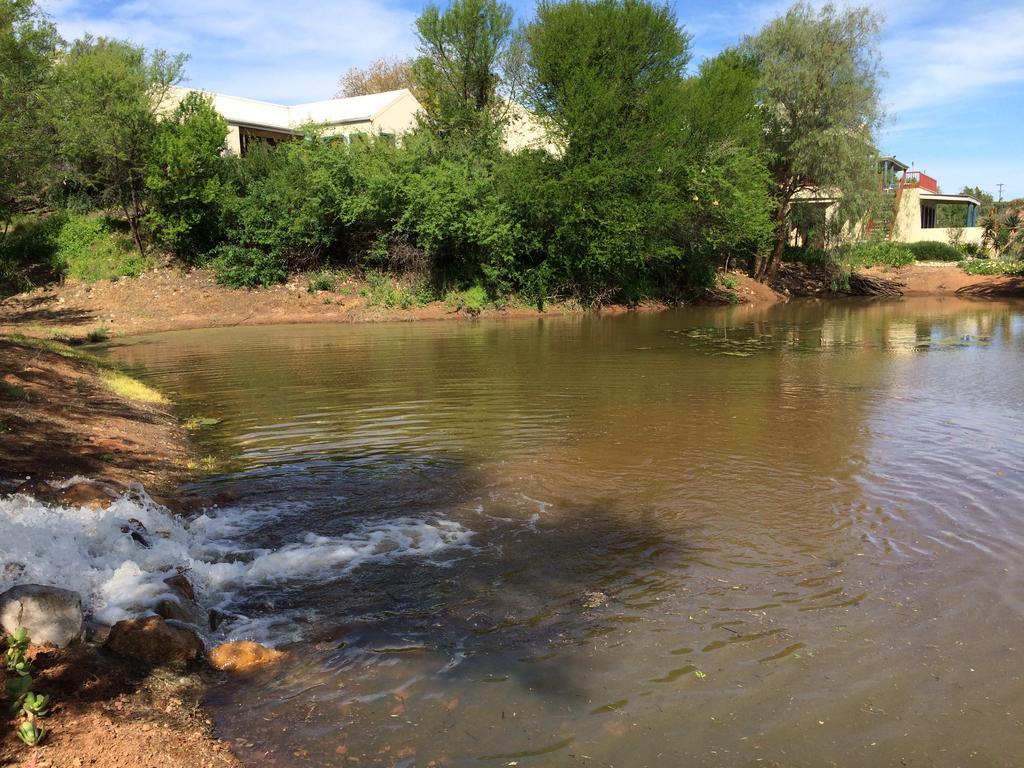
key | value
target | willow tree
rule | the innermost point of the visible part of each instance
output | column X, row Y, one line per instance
column 28, row 44
column 819, row 94
column 463, row 50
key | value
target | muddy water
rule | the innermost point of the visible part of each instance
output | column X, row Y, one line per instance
column 716, row 537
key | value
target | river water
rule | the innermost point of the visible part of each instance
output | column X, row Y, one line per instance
column 790, row 536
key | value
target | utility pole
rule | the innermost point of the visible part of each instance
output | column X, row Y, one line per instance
column 1000, row 191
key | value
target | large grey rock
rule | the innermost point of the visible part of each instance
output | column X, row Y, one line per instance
column 52, row 616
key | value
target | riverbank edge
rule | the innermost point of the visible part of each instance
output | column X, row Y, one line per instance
column 65, row 413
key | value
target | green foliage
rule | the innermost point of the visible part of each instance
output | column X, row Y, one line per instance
column 87, row 249
column 322, row 281
column 240, row 267
column 184, row 178
column 992, row 267
column 23, row 702
column 462, row 53
column 472, row 301
column 28, row 45
column 384, row 291
column 934, row 251
column 819, row 93
column 107, row 96
column 881, row 254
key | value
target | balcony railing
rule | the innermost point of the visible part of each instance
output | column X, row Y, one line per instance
column 912, row 179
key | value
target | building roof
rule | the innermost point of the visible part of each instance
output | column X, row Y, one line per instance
column 894, row 162
column 265, row 114
column 937, row 197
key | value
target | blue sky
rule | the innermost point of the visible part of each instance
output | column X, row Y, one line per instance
column 954, row 95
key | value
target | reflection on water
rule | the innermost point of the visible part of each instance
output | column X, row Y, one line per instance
column 787, row 537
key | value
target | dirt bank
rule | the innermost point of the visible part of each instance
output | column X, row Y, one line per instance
column 169, row 299
column 108, row 713
column 942, row 278
column 59, row 417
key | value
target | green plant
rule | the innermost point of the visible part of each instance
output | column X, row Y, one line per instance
column 472, row 301
column 877, row 254
column 322, row 281
column 98, row 335
column 240, row 267
column 14, row 392
column 87, row 249
column 934, row 251
column 30, row 733
column 986, row 267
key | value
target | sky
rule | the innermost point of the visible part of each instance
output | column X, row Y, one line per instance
column 954, row 94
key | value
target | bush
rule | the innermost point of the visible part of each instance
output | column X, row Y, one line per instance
column 993, row 267
column 472, row 301
column 878, row 254
column 384, row 291
column 934, row 251
column 87, row 248
column 240, row 267
column 322, row 281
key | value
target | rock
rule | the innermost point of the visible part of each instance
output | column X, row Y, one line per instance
column 86, row 494
column 217, row 618
column 594, row 599
column 38, row 490
column 172, row 609
column 180, row 583
column 243, row 656
column 154, row 640
column 52, row 616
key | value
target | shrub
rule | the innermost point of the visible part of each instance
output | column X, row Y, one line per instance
column 878, row 254
column 934, row 251
column 993, row 267
column 239, row 267
column 87, row 248
column 472, row 301
column 322, row 281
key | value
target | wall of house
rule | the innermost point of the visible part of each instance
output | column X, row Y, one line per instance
column 907, row 225
column 398, row 117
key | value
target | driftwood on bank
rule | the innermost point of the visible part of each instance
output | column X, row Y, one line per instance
column 871, row 285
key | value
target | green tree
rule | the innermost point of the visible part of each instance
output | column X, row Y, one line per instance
column 462, row 53
column 819, row 92
column 184, row 177
column 28, row 44
column 607, row 76
column 108, row 97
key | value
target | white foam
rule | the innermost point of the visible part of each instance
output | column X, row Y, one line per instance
column 89, row 551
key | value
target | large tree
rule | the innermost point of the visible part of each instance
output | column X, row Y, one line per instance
column 607, row 77
column 819, row 92
column 28, row 44
column 463, row 51
column 108, row 98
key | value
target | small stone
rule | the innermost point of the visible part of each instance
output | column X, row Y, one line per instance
column 172, row 609
column 180, row 583
column 243, row 656
column 38, row 490
column 50, row 615
column 154, row 640
column 86, row 494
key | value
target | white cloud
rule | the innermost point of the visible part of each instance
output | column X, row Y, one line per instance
column 258, row 48
column 943, row 65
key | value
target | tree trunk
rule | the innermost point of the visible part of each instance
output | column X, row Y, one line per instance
column 766, row 268
column 133, row 222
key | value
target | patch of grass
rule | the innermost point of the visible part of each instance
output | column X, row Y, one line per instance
column 934, row 251
column 384, row 291
column 472, row 301
column 987, row 267
column 14, row 392
column 88, row 249
column 206, row 464
column 877, row 255
column 322, row 281
column 58, row 348
column 129, row 388
column 98, row 335
column 5, row 428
